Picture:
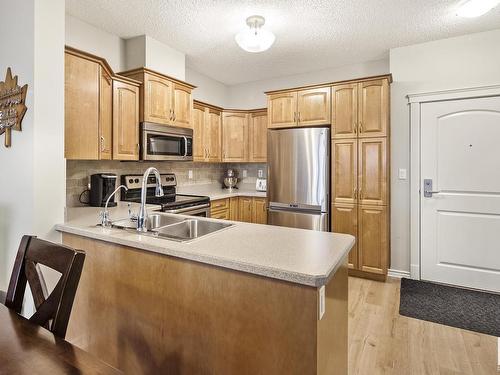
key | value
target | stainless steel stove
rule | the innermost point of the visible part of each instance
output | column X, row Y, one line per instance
column 171, row 202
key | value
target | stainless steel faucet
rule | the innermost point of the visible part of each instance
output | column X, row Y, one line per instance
column 104, row 215
column 143, row 215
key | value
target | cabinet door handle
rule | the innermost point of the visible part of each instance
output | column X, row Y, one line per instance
column 355, row 127
column 173, row 115
column 355, row 193
column 360, row 127
column 298, row 117
column 295, row 117
column 102, row 143
column 360, row 194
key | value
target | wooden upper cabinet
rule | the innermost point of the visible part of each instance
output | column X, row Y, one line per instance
column 87, row 107
column 373, row 244
column 313, row 106
column 200, row 150
column 258, row 137
column 163, row 100
column 213, row 135
column 125, row 121
column 344, row 170
column 345, row 220
column 106, row 117
column 372, row 164
column 373, row 108
column 234, row 137
column 157, row 100
column 182, row 106
column 345, row 111
column 282, row 110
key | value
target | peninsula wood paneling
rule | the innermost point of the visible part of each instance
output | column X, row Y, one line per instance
column 147, row 313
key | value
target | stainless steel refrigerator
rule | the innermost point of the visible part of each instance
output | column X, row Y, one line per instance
column 299, row 178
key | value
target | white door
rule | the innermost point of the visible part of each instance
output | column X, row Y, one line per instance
column 460, row 225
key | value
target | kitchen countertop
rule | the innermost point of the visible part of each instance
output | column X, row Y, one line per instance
column 215, row 191
column 296, row 255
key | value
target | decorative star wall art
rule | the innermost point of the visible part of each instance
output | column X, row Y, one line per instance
column 12, row 106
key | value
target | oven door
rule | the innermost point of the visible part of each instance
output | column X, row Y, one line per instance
column 200, row 211
column 160, row 142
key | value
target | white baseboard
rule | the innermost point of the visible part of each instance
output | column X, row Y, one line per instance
column 415, row 271
column 398, row 273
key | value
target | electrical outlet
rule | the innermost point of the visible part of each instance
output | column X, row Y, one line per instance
column 244, row 173
column 190, row 174
column 322, row 302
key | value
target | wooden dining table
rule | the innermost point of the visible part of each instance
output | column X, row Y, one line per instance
column 26, row 348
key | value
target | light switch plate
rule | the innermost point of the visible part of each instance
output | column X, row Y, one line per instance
column 322, row 302
column 244, row 173
column 402, row 174
column 190, row 174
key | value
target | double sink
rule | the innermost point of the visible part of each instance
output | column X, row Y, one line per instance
column 174, row 228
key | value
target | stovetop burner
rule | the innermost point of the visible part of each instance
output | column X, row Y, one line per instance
column 169, row 201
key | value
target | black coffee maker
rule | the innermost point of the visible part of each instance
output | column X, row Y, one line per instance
column 101, row 186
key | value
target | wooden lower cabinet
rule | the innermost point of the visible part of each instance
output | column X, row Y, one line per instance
column 259, row 212
column 373, row 238
column 245, row 212
column 345, row 220
column 234, row 208
column 369, row 224
column 247, row 209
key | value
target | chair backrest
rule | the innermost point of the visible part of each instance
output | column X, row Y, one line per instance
column 52, row 311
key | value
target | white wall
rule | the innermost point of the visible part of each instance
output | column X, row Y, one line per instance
column 165, row 59
column 208, row 90
column 88, row 38
column 16, row 166
column 33, row 170
column 251, row 95
column 466, row 61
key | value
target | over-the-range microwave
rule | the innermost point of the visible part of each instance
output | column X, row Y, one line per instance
column 162, row 142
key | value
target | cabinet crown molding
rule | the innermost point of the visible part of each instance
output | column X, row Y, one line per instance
column 328, row 84
column 102, row 62
column 157, row 74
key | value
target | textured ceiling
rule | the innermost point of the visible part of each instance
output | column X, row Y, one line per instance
column 310, row 34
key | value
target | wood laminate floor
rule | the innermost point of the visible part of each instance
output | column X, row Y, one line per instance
column 383, row 342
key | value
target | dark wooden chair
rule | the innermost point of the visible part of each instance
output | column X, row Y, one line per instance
column 52, row 311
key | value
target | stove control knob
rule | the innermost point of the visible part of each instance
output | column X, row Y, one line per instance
column 136, row 180
column 130, row 181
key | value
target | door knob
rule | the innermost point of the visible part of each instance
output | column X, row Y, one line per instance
column 428, row 188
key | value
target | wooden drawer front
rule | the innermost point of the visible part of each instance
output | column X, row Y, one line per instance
column 220, row 204
column 220, row 214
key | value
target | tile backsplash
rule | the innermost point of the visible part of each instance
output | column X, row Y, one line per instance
column 78, row 173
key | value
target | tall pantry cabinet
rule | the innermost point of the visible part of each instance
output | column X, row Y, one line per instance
column 360, row 172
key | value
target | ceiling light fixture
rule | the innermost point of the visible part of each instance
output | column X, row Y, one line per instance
column 255, row 38
column 476, row 8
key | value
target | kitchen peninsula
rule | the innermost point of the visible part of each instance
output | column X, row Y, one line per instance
column 248, row 299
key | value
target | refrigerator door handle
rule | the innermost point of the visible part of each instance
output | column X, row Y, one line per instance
column 294, row 206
